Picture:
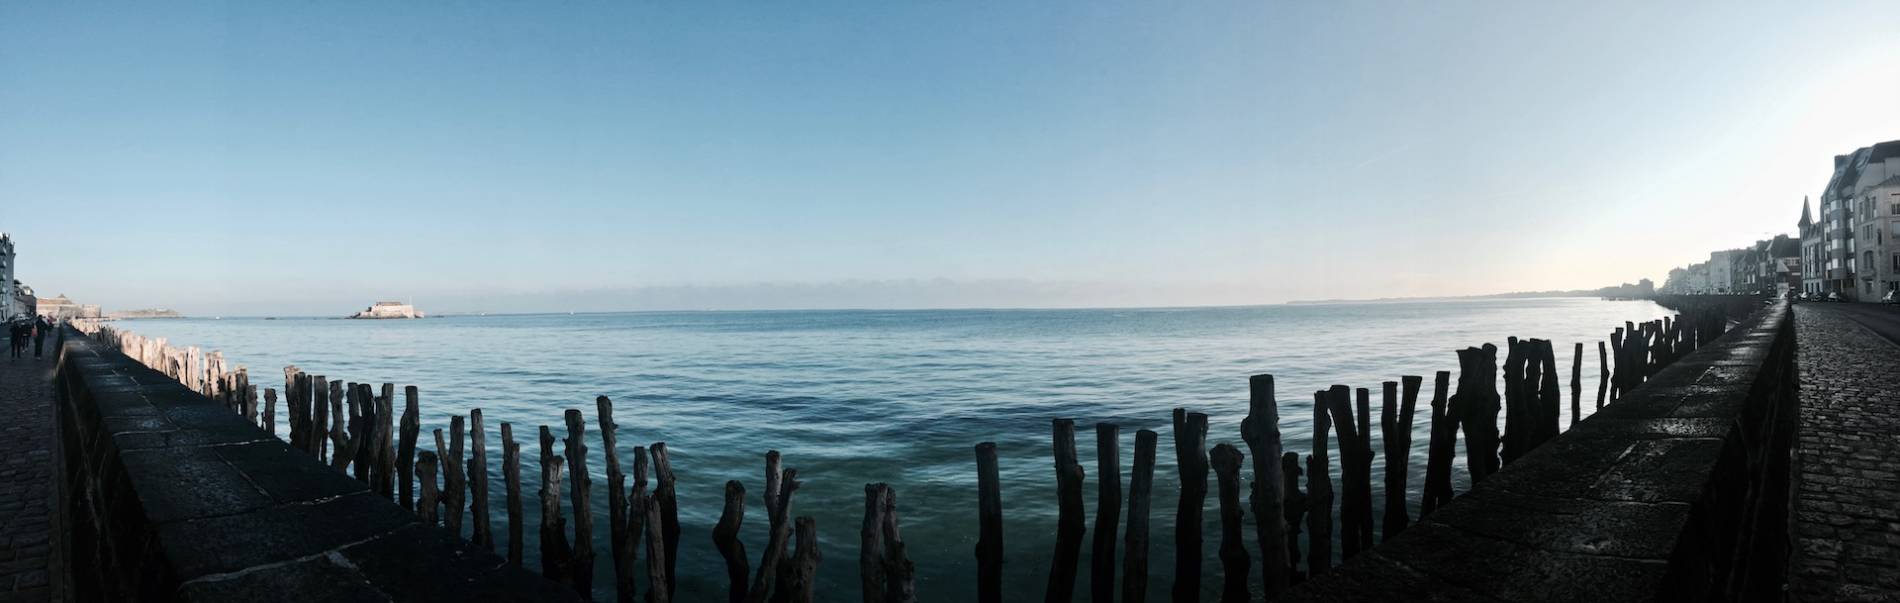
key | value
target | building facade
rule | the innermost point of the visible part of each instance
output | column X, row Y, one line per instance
column 7, row 303
column 1854, row 223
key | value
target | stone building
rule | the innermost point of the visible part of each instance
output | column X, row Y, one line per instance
column 7, row 304
column 1813, row 252
column 1855, row 224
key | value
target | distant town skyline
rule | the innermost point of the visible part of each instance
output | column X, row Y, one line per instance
column 311, row 159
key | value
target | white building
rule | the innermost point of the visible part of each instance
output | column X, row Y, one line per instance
column 1855, row 223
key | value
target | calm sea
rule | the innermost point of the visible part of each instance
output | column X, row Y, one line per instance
column 851, row 397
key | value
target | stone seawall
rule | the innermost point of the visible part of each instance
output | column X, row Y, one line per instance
column 167, row 495
column 1676, row 492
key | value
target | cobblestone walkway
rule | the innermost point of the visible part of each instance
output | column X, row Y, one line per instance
column 26, row 439
column 1847, row 462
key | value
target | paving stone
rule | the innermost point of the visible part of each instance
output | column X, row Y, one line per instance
column 1845, row 550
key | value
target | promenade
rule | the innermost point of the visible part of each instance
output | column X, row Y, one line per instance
column 1847, row 462
column 26, row 439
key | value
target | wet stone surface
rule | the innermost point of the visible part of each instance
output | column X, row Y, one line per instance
column 26, row 439
column 1847, row 462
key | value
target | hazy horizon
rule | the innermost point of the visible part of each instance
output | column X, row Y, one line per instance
column 309, row 159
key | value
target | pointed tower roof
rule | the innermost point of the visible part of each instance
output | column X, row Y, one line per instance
column 1806, row 217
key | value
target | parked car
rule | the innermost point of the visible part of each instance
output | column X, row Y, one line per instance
column 1892, row 298
column 1833, row 296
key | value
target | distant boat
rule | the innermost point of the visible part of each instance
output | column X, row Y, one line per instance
column 388, row 309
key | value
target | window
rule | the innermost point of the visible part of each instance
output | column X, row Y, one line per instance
column 1896, row 262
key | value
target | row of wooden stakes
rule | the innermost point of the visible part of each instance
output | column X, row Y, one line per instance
column 356, row 430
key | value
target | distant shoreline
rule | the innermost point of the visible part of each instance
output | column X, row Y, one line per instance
column 1389, row 300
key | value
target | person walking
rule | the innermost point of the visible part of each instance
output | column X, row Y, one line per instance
column 40, row 327
column 16, row 342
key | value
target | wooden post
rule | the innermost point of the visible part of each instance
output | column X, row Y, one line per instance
column 664, row 495
column 320, row 417
column 805, row 561
column 1070, row 524
column 363, row 432
column 511, row 473
column 1576, row 384
column 637, row 500
column 1319, row 491
column 1135, row 541
column 1616, row 373
column 478, row 479
column 1515, row 428
column 344, row 450
column 1476, row 406
column 1108, row 510
column 457, row 478
column 1395, row 429
column 1233, row 552
column 1353, row 485
column 338, row 438
column 1294, row 512
column 385, row 470
column 899, row 573
column 406, row 451
column 425, row 466
column 1261, row 431
column 725, row 537
column 1602, row 375
column 657, row 576
column 781, row 531
column 554, row 549
column 617, row 502
column 656, row 554
column 582, row 564
column 871, row 571
column 989, row 512
column 1442, row 447
column 1190, row 453
column 1550, row 398
column 270, row 411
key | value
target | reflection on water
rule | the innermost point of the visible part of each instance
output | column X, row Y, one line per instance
column 852, row 397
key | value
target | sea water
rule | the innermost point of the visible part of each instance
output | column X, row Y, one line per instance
column 851, row 397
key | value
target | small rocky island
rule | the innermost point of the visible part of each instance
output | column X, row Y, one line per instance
column 388, row 309
column 147, row 313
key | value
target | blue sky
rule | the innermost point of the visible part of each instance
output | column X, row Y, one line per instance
column 267, row 157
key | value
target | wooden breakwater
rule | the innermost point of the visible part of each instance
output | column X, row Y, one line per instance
column 354, row 428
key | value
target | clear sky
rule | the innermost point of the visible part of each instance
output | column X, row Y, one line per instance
column 310, row 157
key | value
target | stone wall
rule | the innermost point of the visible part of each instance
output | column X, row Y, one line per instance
column 166, row 495
column 1677, row 492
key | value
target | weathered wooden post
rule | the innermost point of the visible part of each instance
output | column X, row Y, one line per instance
column 1395, row 428
column 1550, row 399
column 804, row 561
column 425, row 467
column 1354, row 472
column 1515, row 430
column 989, row 513
column 1070, row 524
column 338, row 420
column 1603, row 374
column 1108, row 510
column 478, row 478
column 725, row 537
column 657, row 575
column 884, row 572
column 900, row 574
column 1294, row 509
column 616, row 501
column 511, row 473
column 270, row 411
column 637, row 501
column 385, row 470
column 320, row 417
column 457, row 477
column 1319, row 492
column 554, row 549
column 1476, row 404
column 1441, row 449
column 1576, row 384
column 1135, row 541
column 663, row 495
column 1261, row 431
column 1190, row 453
column 1234, row 560
column 779, row 489
column 363, row 423
column 406, row 450
column 582, row 562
